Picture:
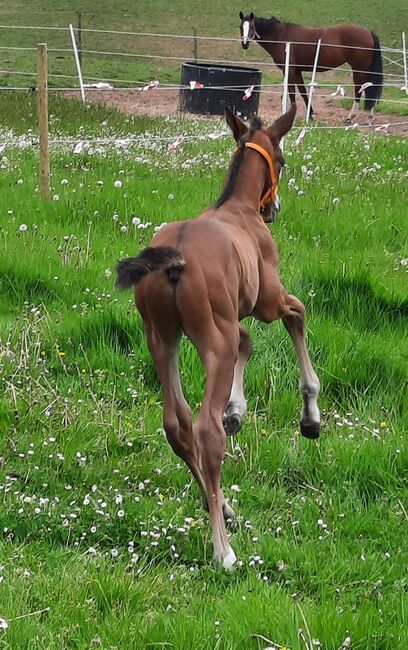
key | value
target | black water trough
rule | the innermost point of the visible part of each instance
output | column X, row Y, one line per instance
column 213, row 97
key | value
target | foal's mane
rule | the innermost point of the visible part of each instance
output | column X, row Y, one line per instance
column 255, row 124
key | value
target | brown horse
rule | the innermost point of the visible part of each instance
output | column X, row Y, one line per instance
column 201, row 277
column 340, row 44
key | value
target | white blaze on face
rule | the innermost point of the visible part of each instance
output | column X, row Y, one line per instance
column 245, row 31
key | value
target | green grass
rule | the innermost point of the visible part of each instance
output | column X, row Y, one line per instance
column 80, row 408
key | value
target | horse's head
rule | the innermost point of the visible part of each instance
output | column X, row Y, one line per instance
column 247, row 28
column 266, row 141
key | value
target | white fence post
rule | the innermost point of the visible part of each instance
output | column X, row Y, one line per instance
column 404, row 52
column 286, row 79
column 78, row 65
column 285, row 87
column 313, row 83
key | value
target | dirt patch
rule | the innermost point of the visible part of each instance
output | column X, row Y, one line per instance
column 328, row 112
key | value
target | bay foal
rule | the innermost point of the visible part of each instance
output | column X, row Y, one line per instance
column 201, row 277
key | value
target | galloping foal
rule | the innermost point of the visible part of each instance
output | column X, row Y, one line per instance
column 201, row 277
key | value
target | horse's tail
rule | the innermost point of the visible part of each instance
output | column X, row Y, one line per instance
column 375, row 76
column 132, row 269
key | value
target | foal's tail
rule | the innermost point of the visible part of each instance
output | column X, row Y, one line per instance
column 375, row 76
column 132, row 269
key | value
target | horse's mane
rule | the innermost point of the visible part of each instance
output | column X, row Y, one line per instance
column 255, row 124
column 268, row 23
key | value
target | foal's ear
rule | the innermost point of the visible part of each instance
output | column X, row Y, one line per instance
column 251, row 15
column 282, row 125
column 237, row 126
column 241, row 15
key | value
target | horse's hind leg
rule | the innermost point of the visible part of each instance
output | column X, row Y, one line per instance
column 219, row 353
column 309, row 385
column 237, row 406
column 177, row 418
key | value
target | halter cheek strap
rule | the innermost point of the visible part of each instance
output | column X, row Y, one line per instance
column 270, row 194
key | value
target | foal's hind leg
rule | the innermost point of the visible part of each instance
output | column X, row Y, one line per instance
column 237, row 406
column 219, row 353
column 309, row 385
column 177, row 418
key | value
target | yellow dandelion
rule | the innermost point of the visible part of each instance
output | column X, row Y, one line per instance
column 62, row 354
column 383, row 424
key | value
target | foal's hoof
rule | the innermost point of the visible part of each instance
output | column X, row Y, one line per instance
column 226, row 561
column 227, row 511
column 310, row 430
column 232, row 424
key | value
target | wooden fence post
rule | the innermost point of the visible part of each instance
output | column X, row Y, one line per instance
column 43, row 121
column 194, row 49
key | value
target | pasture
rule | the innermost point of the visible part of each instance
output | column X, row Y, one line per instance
column 104, row 541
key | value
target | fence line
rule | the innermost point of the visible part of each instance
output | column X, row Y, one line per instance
column 215, row 61
column 139, row 85
column 176, row 87
column 233, row 40
column 189, row 37
column 164, row 57
column 186, row 139
column 40, row 28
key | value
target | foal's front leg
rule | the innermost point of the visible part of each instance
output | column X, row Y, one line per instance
column 309, row 385
column 237, row 406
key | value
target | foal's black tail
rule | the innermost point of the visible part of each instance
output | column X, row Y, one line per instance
column 132, row 269
column 375, row 75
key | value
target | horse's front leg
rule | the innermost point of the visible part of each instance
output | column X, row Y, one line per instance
column 309, row 385
column 301, row 87
column 358, row 80
column 292, row 84
column 237, row 406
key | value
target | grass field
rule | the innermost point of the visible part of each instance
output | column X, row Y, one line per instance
column 104, row 543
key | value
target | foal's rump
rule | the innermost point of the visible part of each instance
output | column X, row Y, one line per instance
column 187, row 277
column 160, row 258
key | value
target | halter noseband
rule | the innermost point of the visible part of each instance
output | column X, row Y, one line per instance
column 270, row 194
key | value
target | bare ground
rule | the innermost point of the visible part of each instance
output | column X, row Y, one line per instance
column 328, row 111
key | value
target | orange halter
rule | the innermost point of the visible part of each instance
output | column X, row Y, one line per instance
column 270, row 194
